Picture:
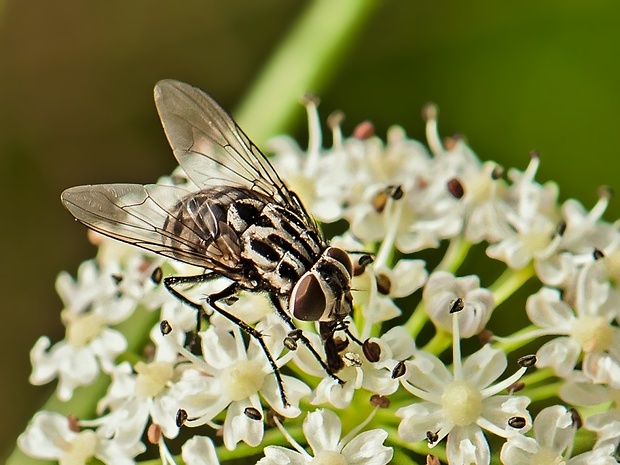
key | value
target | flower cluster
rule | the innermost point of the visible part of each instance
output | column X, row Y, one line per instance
column 408, row 387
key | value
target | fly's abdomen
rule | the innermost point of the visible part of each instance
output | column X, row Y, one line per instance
column 280, row 248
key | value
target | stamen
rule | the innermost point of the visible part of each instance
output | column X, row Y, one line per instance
column 429, row 114
column 334, row 121
column 355, row 431
column 456, row 346
column 315, row 141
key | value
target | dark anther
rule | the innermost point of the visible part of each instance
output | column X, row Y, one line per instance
column 371, row 350
column 74, row 423
column 117, row 278
column 341, row 343
column 272, row 417
column 497, row 172
column 395, row 192
column 432, row 437
column 181, row 417
column 429, row 111
column 516, row 387
column 360, row 266
column 252, row 413
column 598, row 254
column 576, row 418
column 384, row 285
column 399, row 370
column 457, row 305
column 456, row 188
column 309, row 98
column 157, row 275
column 153, row 433
column 290, row 343
column 534, row 154
column 364, row 130
column 605, row 192
column 517, row 422
column 527, row 361
column 560, row 229
column 335, row 119
column 379, row 201
column 485, row 336
column 379, row 401
column 165, row 327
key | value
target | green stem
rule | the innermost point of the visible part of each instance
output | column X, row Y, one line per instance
column 455, row 255
column 544, row 392
column 509, row 282
column 306, row 60
column 440, row 342
column 417, row 320
column 516, row 340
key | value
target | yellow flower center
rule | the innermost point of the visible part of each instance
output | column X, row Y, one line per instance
column 461, row 402
column 83, row 329
column 328, row 457
column 593, row 333
column 242, row 379
column 152, row 378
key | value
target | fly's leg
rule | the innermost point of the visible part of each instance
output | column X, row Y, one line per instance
column 212, row 300
column 297, row 334
column 253, row 332
column 170, row 282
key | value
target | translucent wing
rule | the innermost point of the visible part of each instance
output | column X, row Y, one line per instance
column 212, row 148
column 142, row 216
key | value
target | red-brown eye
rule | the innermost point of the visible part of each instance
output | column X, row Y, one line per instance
column 308, row 299
column 341, row 256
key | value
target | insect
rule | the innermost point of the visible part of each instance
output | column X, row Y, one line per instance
column 242, row 223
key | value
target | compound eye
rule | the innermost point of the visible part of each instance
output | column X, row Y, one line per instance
column 308, row 299
column 341, row 256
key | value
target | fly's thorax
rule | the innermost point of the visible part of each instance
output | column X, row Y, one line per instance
column 324, row 292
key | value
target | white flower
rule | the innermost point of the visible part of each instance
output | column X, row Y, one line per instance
column 443, row 288
column 231, row 378
column 134, row 398
column 461, row 403
column 584, row 329
column 359, row 373
column 554, row 432
column 578, row 389
column 531, row 212
column 322, row 429
column 50, row 437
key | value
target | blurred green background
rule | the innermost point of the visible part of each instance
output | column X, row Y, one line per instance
column 76, row 107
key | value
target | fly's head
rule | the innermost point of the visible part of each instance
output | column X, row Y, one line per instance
column 324, row 292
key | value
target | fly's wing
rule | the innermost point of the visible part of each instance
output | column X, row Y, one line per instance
column 212, row 148
column 143, row 216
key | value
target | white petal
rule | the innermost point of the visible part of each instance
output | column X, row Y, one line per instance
column 467, row 446
column 560, row 353
column 239, row 427
column 368, row 449
column 553, row 428
column 199, row 450
column 418, row 419
column 546, row 310
column 484, row 366
column 45, row 435
column 518, row 450
column 276, row 455
column 322, row 430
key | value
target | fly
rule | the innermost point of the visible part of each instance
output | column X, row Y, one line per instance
column 242, row 223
